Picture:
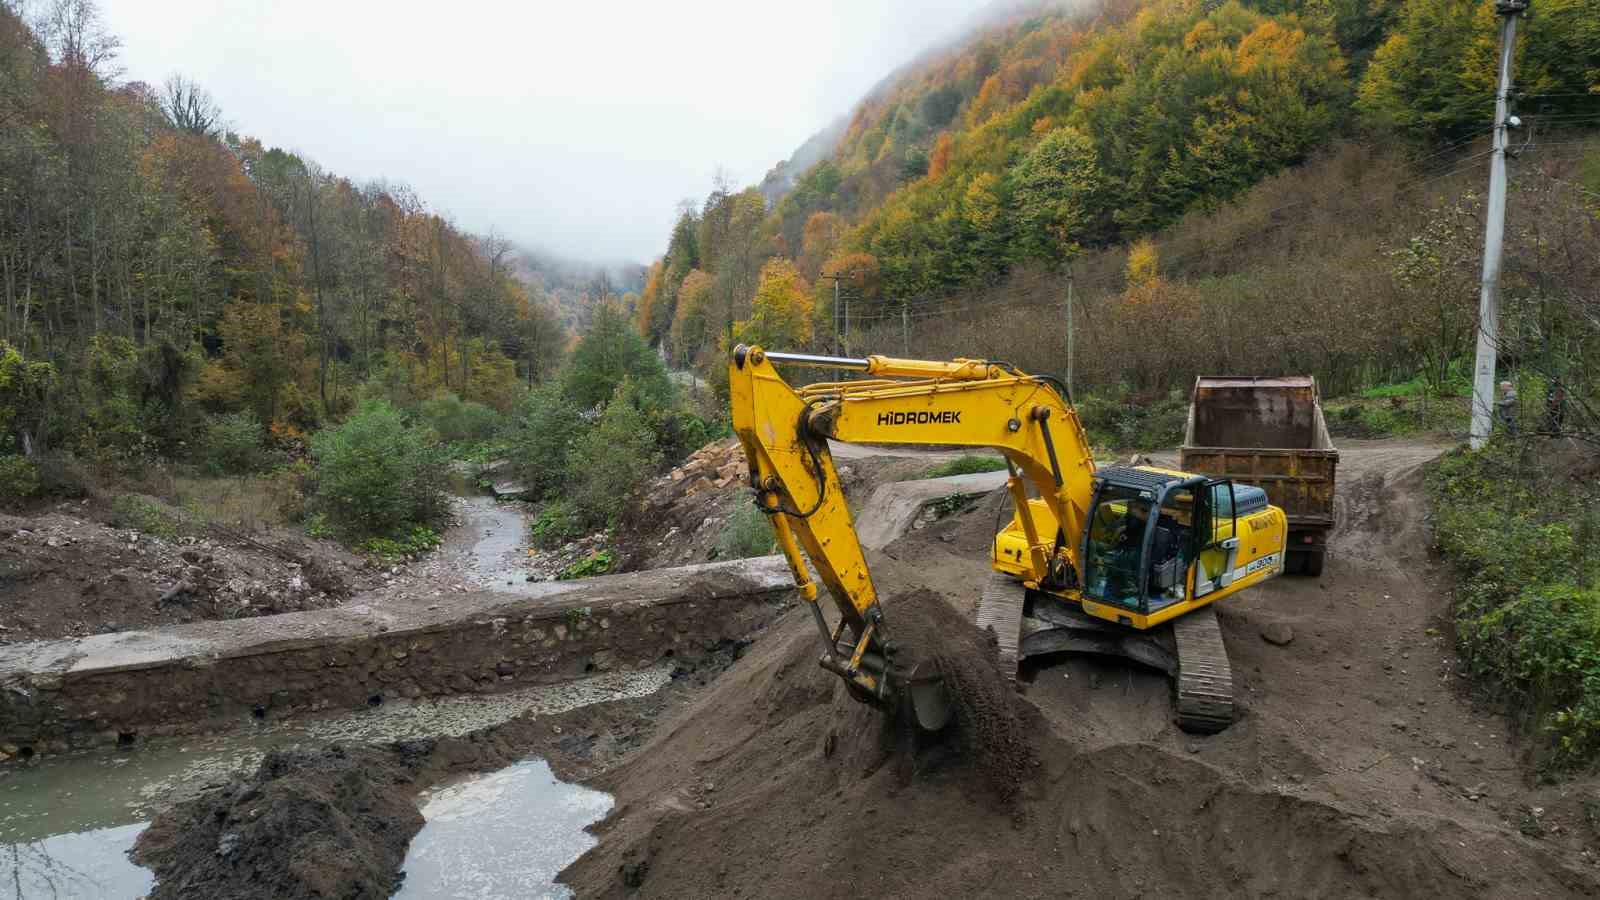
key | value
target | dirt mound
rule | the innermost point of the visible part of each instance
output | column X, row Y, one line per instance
column 775, row 783
column 930, row 632
column 327, row 823
column 64, row 574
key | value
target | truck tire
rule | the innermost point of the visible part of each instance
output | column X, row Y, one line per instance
column 1312, row 565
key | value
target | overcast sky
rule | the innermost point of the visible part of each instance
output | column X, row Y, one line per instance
column 573, row 125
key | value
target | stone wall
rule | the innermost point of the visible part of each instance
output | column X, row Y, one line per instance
column 95, row 690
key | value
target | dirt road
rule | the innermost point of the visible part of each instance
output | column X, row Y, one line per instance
column 1360, row 765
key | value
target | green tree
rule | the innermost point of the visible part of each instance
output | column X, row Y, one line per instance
column 546, row 424
column 23, row 386
column 609, row 353
column 608, row 464
column 1058, row 195
column 377, row 476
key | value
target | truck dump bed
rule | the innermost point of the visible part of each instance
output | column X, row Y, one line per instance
column 1267, row 432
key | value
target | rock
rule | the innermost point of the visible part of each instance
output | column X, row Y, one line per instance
column 1277, row 633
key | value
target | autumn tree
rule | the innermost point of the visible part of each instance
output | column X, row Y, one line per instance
column 781, row 312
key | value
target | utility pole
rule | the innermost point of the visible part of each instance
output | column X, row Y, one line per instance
column 837, row 350
column 1069, row 332
column 905, row 330
column 1483, row 380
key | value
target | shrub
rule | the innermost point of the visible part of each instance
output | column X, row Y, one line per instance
column 608, row 463
column 406, row 542
column 233, row 445
column 378, row 477
column 546, row 424
column 1527, row 610
column 458, row 421
column 746, row 533
column 1125, row 424
column 966, row 465
column 145, row 514
column 596, row 563
column 19, row 477
column 556, row 524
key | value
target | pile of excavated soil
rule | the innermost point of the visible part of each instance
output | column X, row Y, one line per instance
column 932, row 634
column 776, row 784
column 64, row 574
column 308, row 824
column 1359, row 767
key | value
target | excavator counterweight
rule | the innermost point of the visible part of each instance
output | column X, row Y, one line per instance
column 1120, row 560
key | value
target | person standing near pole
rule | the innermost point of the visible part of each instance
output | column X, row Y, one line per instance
column 1506, row 407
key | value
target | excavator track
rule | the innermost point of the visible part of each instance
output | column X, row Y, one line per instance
column 1205, row 679
column 1001, row 608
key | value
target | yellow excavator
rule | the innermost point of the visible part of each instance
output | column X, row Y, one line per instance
column 1116, row 560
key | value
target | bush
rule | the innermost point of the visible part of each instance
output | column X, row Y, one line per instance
column 378, row 477
column 965, row 465
column 145, row 514
column 19, row 477
column 233, row 445
column 746, row 533
column 1527, row 611
column 546, row 424
column 412, row 541
column 458, row 421
column 608, row 463
column 556, row 524
column 596, row 563
column 1128, row 425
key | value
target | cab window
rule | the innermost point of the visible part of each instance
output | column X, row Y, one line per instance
column 1116, row 537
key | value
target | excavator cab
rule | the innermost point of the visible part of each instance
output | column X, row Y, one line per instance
column 1157, row 539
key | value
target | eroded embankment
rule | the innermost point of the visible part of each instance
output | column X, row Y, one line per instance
column 114, row 688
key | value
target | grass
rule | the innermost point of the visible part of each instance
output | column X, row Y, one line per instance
column 417, row 540
column 965, row 465
column 254, row 503
column 146, row 515
column 1527, row 610
column 747, row 533
column 1398, row 415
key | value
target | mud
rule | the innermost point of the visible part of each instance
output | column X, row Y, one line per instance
column 327, row 823
column 1361, row 765
column 65, row 572
column 987, row 728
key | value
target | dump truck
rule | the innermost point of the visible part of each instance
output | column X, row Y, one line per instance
column 1269, row 432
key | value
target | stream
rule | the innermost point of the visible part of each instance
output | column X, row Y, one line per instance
column 68, row 821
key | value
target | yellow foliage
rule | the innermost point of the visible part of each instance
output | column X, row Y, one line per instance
column 781, row 312
column 1143, row 263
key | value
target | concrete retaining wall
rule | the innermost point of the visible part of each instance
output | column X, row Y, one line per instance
column 188, row 678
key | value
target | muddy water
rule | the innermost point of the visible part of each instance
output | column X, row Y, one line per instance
column 502, row 835
column 67, row 822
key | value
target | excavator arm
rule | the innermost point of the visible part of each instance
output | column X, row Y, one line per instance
column 967, row 403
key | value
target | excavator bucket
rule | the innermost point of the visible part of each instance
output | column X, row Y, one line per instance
column 931, row 707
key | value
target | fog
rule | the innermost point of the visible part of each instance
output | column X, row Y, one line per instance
column 573, row 126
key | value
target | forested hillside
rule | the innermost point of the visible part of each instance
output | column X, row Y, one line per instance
column 167, row 266
column 987, row 172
